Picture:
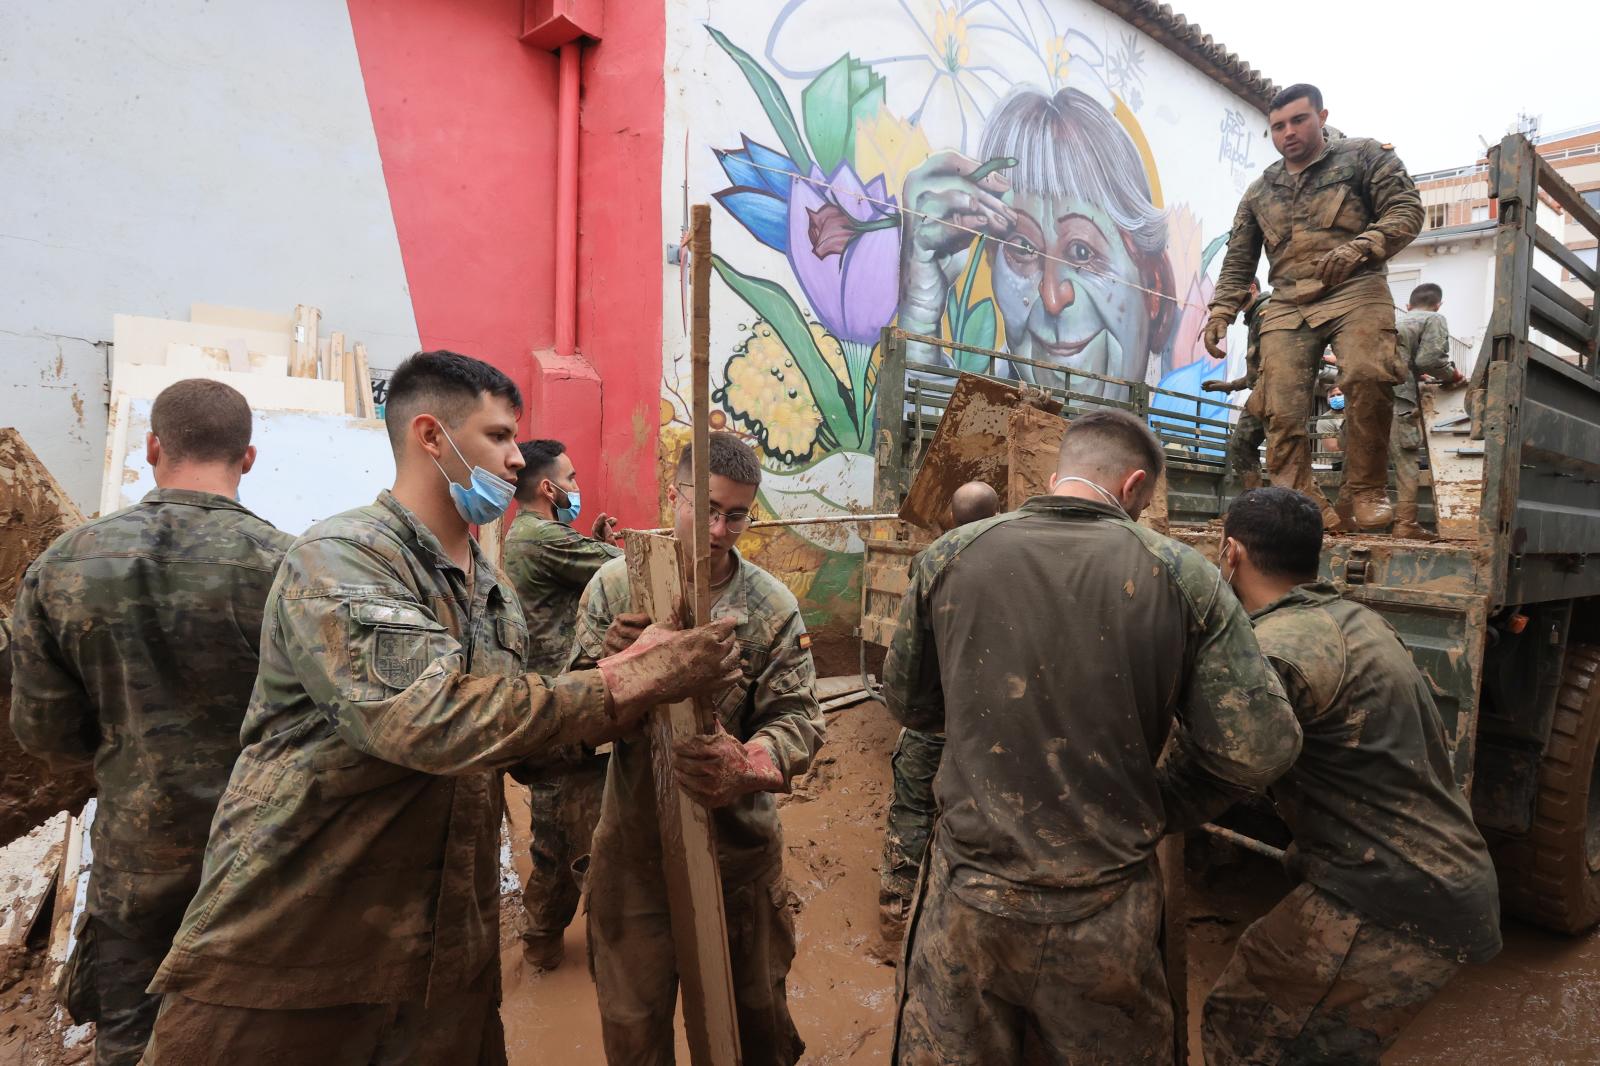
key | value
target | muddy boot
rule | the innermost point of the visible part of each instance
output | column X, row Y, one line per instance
column 1405, row 523
column 543, row 953
column 1371, row 510
column 1332, row 522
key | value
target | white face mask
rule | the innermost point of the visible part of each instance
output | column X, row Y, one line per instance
column 1109, row 498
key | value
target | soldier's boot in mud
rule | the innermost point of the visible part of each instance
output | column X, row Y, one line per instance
column 1332, row 521
column 543, row 953
column 1405, row 523
column 1371, row 509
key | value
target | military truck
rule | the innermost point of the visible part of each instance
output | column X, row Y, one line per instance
column 1502, row 614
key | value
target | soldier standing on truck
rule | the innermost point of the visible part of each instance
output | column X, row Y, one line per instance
column 1042, row 907
column 1397, row 889
column 550, row 563
column 912, row 810
column 1244, row 443
column 1425, row 350
column 1329, row 215
column 137, row 641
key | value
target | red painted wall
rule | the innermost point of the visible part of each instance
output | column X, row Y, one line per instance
column 465, row 115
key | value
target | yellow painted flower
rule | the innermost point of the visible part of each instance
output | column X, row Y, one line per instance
column 950, row 38
column 1057, row 59
column 891, row 146
column 766, row 393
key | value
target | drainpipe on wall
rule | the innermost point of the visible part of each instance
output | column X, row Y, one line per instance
column 565, row 394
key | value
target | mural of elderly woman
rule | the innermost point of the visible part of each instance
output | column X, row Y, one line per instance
column 1082, row 278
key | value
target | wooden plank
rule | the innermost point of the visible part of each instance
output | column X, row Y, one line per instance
column 688, row 841
column 700, row 361
column 142, row 339
column 29, row 867
column 890, row 576
column 303, row 342
column 365, row 408
column 241, row 318
column 1033, row 451
column 333, row 368
column 1175, row 938
column 1455, row 462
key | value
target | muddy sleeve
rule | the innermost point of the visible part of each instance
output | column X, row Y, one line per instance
column 595, row 612
column 1236, row 732
column 787, row 718
column 912, row 689
column 1395, row 203
column 1433, row 350
column 573, row 560
column 1239, row 265
column 393, row 679
column 52, row 715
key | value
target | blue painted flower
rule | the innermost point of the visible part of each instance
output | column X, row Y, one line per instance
column 759, row 198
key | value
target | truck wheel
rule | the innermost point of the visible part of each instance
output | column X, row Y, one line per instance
column 1552, row 877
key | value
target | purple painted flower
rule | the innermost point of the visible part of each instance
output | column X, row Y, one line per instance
column 844, row 247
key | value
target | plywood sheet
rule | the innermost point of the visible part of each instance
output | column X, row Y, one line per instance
column 1033, row 449
column 263, row 391
column 141, row 339
column 241, row 318
column 194, row 359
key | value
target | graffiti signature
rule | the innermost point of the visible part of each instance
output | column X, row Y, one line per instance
column 1234, row 145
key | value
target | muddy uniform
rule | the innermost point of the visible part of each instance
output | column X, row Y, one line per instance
column 549, row 564
column 1398, row 888
column 349, row 907
column 1054, row 646
column 1425, row 349
column 630, row 934
column 137, row 638
column 912, row 811
column 1355, row 192
column 1244, row 443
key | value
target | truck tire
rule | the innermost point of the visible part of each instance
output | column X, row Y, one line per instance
column 1552, row 877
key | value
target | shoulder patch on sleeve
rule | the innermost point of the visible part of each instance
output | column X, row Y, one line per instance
column 1386, row 146
column 804, row 640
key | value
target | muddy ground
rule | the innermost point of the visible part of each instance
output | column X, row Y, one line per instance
column 1533, row 1006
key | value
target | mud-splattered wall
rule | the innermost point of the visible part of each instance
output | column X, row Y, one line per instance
column 1073, row 184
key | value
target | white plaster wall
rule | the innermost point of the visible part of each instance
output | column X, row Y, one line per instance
column 1465, row 271
column 169, row 152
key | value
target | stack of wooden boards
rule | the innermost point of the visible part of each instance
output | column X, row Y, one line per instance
column 312, row 398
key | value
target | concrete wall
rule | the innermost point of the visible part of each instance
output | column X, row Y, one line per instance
column 164, row 153
column 891, row 102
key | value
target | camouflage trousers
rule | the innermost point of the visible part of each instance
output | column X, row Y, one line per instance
column 1313, row 983
column 911, row 812
column 634, row 963
column 565, row 805
column 1244, row 445
column 1364, row 339
column 451, row 1029
column 1405, row 450
column 119, row 942
column 977, row 989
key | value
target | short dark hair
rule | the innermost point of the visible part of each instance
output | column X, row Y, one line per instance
column 729, row 456
column 199, row 420
column 538, row 460
column 1428, row 294
column 1280, row 528
column 1285, row 97
column 1110, row 442
column 447, row 385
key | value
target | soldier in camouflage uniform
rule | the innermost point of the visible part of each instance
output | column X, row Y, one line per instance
column 913, row 766
column 1425, row 350
column 549, row 563
column 1244, row 443
column 1398, row 889
column 1037, row 936
column 1329, row 215
column 137, row 638
column 770, row 730
column 348, row 910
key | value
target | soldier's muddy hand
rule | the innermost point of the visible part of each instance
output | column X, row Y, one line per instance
column 1335, row 266
column 1216, row 329
column 623, row 631
column 716, row 769
column 1214, row 385
column 666, row 665
column 605, row 528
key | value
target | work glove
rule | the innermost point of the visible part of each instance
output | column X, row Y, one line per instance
column 667, row 665
column 1335, row 266
column 715, row 769
column 623, row 631
column 1457, row 381
column 1216, row 329
column 605, row 528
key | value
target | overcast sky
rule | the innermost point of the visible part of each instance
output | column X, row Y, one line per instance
column 1429, row 77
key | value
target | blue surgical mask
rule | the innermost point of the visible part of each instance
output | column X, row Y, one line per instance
column 485, row 498
column 1336, row 402
column 569, row 513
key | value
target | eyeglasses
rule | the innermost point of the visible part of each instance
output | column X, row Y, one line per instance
column 733, row 521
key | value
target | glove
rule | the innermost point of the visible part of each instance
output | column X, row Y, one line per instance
column 1216, row 329
column 716, row 769
column 1335, row 266
column 1215, row 385
column 623, row 631
column 605, row 528
column 665, row 666
column 1456, row 382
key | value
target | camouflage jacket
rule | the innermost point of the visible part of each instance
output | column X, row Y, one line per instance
column 549, row 565
column 136, row 639
column 1424, row 339
column 1356, row 192
column 1377, row 818
column 355, row 855
column 776, row 704
column 1054, row 646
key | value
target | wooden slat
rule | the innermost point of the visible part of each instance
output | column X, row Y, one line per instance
column 688, row 841
column 1457, row 478
column 333, row 367
column 303, row 342
column 365, row 408
column 891, row 577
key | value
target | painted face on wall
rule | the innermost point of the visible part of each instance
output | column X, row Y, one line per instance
column 1066, row 285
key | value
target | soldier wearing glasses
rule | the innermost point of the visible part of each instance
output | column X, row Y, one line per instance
column 769, row 730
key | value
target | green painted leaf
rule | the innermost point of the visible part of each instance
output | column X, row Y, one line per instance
column 1216, row 245
column 837, row 99
column 774, row 304
column 772, row 100
column 979, row 329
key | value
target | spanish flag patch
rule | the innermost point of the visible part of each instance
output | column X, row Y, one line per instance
column 805, row 641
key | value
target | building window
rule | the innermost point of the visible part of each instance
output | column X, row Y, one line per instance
column 1481, row 213
column 1437, row 213
column 1592, row 198
column 1587, row 255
